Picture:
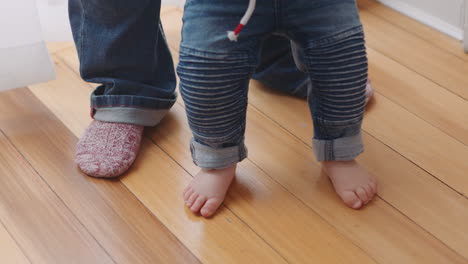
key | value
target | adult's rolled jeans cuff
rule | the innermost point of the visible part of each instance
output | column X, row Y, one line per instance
column 340, row 149
column 129, row 115
column 207, row 157
column 130, row 109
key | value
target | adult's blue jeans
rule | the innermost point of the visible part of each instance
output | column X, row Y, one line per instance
column 327, row 44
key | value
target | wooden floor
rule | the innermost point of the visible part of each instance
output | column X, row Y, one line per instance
column 281, row 208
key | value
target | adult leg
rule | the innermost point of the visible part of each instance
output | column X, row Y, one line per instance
column 121, row 46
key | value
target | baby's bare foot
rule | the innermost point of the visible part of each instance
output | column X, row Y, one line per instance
column 353, row 183
column 207, row 190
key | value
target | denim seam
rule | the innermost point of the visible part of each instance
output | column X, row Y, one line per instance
column 140, row 97
column 320, row 4
column 208, row 55
column 83, row 17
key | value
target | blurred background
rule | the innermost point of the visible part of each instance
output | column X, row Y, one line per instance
column 447, row 16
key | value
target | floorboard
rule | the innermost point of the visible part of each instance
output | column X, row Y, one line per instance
column 112, row 215
column 37, row 218
column 412, row 26
column 443, row 68
column 10, row 252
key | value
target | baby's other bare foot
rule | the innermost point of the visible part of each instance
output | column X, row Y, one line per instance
column 352, row 182
column 207, row 190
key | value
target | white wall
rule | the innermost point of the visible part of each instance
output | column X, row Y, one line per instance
column 450, row 11
column 444, row 15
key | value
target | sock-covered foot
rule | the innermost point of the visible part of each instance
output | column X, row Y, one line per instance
column 207, row 190
column 352, row 182
column 108, row 149
column 369, row 91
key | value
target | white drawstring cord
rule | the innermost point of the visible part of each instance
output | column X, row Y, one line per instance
column 232, row 35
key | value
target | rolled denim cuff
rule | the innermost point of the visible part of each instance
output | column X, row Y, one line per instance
column 129, row 115
column 207, row 157
column 340, row 149
column 130, row 109
column 100, row 101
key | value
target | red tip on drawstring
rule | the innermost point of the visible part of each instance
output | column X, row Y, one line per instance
column 238, row 29
column 232, row 35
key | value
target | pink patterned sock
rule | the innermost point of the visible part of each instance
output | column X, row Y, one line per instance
column 108, row 149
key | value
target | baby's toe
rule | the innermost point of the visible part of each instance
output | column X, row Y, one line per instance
column 369, row 191
column 192, row 199
column 198, row 204
column 187, row 193
column 362, row 194
column 351, row 199
column 210, row 207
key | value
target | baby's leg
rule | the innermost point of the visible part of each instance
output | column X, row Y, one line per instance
column 214, row 76
column 339, row 74
column 215, row 95
column 332, row 42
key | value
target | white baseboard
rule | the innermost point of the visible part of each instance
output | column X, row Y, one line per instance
column 425, row 18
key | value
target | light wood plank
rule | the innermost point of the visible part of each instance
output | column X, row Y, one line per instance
column 158, row 182
column 56, row 46
column 9, row 250
column 428, row 147
column 43, row 226
column 417, row 54
column 412, row 26
column 414, row 192
column 116, row 219
column 418, row 95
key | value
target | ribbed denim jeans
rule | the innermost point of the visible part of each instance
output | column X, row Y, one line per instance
column 327, row 43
